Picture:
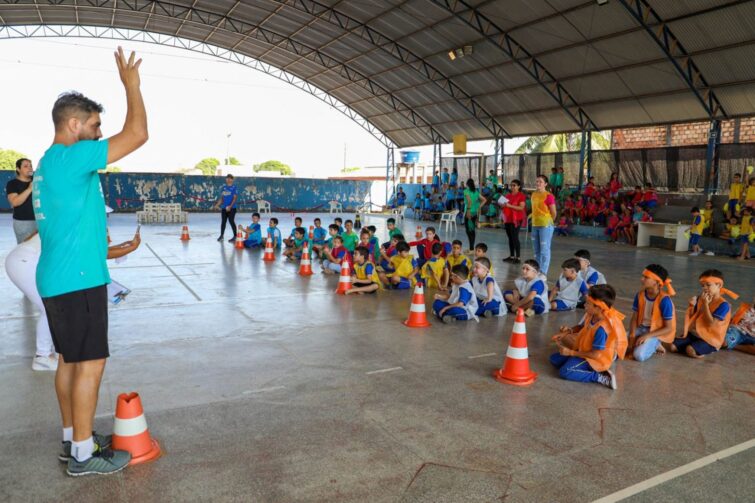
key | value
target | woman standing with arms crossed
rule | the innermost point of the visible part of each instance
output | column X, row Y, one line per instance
column 543, row 215
column 514, row 216
column 472, row 202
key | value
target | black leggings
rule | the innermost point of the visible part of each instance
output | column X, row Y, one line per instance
column 228, row 216
column 512, row 232
column 471, row 233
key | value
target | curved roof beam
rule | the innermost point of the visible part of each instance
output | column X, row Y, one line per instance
column 646, row 16
column 79, row 31
column 353, row 26
column 188, row 14
column 494, row 34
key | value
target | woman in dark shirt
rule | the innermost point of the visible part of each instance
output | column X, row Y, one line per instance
column 19, row 198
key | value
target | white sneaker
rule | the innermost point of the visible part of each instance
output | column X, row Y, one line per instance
column 45, row 363
column 710, row 253
column 608, row 379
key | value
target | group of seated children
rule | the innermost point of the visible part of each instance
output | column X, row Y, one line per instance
column 739, row 231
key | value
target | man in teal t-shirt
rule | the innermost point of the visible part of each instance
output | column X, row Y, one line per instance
column 72, row 272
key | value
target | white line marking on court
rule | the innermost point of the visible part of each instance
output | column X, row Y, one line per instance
column 676, row 472
column 481, row 356
column 262, row 390
column 382, row 371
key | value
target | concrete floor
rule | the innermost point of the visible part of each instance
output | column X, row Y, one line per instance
column 261, row 386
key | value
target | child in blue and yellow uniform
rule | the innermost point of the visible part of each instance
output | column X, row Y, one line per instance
column 374, row 241
column 388, row 250
column 706, row 319
column 489, row 295
column 530, row 292
column 456, row 257
column 481, row 251
column 365, row 278
column 735, row 194
column 461, row 303
column 587, row 351
column 653, row 315
column 696, row 231
column 254, row 232
column 569, row 289
column 746, row 234
column 405, row 269
column 434, row 272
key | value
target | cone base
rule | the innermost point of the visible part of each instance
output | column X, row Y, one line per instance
column 525, row 380
column 309, row 273
column 416, row 324
column 185, row 239
column 342, row 292
column 151, row 455
column 268, row 259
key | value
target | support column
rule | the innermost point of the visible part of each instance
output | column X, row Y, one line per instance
column 582, row 160
column 390, row 174
column 589, row 154
column 711, row 157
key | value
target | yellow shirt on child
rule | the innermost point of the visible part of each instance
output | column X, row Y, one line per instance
column 735, row 191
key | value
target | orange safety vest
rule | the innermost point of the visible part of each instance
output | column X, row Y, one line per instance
column 712, row 334
column 616, row 343
column 656, row 320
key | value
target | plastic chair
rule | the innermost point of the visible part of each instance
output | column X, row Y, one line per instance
column 335, row 207
column 448, row 218
column 263, row 206
column 399, row 213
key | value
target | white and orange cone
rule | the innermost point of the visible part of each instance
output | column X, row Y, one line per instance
column 344, row 281
column 130, row 432
column 305, row 267
column 516, row 367
column 240, row 238
column 269, row 256
column 418, row 234
column 417, row 313
column 185, row 233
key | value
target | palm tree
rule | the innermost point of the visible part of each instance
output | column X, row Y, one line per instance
column 565, row 142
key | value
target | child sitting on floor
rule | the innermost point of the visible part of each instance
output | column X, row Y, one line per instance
column 388, row 250
column 481, row 251
column 391, row 225
column 290, row 239
column 332, row 233
column 274, row 233
column 562, row 229
column 374, row 241
column 569, row 288
column 334, row 257
column 364, row 241
column 339, row 222
column 741, row 332
column 456, row 257
column 461, row 303
column 425, row 245
column 350, row 238
column 434, row 272
column 531, row 292
column 365, row 277
column 653, row 314
column 253, row 232
column 587, row 272
column 587, row 351
column 295, row 246
column 319, row 234
column 706, row 319
column 404, row 267
column 489, row 295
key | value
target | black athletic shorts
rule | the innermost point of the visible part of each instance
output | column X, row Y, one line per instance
column 78, row 324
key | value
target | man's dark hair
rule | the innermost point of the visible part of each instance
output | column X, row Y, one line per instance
column 402, row 246
column 19, row 162
column 73, row 103
column 460, row 270
column 571, row 263
column 606, row 293
column 658, row 270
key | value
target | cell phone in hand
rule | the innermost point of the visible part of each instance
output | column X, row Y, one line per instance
column 138, row 228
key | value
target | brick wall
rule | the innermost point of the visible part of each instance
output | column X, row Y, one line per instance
column 675, row 135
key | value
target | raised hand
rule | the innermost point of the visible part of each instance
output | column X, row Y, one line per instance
column 128, row 69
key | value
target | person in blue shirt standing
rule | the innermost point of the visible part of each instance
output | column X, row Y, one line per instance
column 72, row 274
column 228, row 197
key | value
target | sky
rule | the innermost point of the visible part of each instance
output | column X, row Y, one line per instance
column 193, row 102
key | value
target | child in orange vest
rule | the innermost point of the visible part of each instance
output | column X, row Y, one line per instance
column 706, row 319
column 653, row 314
column 741, row 332
column 587, row 351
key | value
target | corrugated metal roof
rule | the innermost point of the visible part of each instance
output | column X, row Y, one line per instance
column 383, row 58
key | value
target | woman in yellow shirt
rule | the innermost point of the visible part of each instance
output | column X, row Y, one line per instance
column 543, row 215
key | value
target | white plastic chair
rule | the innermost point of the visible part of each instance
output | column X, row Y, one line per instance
column 263, row 206
column 335, row 207
column 448, row 218
column 400, row 212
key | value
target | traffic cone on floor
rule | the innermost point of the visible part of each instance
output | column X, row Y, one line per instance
column 185, row 233
column 130, row 432
column 516, row 366
column 269, row 256
column 240, row 238
column 418, row 234
column 344, row 282
column 305, row 267
column 417, row 315
column 311, row 232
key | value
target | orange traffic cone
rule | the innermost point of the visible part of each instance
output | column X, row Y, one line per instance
column 240, row 238
column 269, row 256
column 417, row 315
column 418, row 234
column 344, row 282
column 305, row 268
column 516, row 367
column 185, row 233
column 108, row 236
column 130, row 432
column 311, row 232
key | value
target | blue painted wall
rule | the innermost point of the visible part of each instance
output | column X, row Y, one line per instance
column 127, row 191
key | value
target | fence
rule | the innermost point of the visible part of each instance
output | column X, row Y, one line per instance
column 669, row 169
column 128, row 191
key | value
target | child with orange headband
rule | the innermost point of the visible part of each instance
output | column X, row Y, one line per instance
column 707, row 318
column 587, row 351
column 653, row 314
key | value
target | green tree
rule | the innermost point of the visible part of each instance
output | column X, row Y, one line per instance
column 208, row 165
column 9, row 157
column 232, row 161
column 273, row 165
column 565, row 142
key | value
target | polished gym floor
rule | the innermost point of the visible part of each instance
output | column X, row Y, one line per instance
column 264, row 386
